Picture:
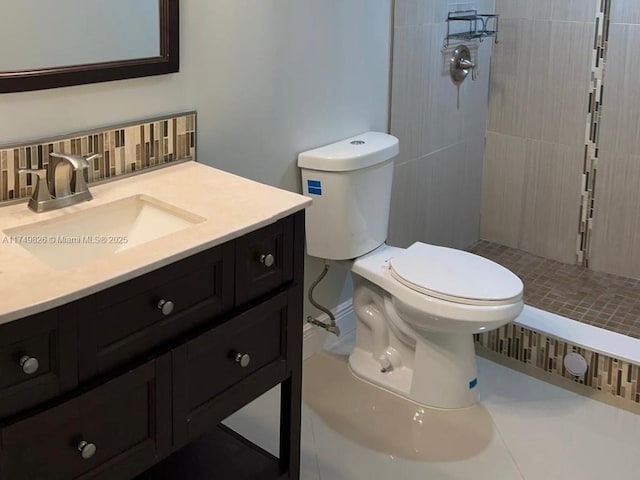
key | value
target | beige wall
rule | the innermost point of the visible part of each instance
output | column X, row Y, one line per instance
column 615, row 246
column 541, row 72
column 535, row 153
column 268, row 79
column 436, row 189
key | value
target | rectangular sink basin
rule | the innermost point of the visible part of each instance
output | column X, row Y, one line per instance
column 78, row 238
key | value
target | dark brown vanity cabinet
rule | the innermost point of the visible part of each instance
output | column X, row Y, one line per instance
column 129, row 320
column 133, row 381
column 252, row 346
column 110, row 432
column 263, row 260
column 32, row 368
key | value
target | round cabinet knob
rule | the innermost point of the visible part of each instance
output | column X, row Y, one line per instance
column 267, row 259
column 86, row 449
column 165, row 306
column 29, row 364
column 243, row 359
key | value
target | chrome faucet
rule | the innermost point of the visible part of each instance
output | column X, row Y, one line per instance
column 66, row 184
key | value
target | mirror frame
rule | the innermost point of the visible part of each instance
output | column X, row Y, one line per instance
column 54, row 77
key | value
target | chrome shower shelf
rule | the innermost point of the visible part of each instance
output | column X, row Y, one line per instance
column 479, row 26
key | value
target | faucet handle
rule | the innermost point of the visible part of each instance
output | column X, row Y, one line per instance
column 41, row 192
column 78, row 162
column 41, row 173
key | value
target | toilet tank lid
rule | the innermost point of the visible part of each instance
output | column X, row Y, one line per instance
column 360, row 151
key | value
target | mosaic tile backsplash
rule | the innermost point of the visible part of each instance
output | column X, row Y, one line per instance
column 606, row 374
column 123, row 150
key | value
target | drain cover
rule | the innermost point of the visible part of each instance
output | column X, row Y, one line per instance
column 575, row 364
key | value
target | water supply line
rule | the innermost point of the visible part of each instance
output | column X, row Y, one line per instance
column 331, row 327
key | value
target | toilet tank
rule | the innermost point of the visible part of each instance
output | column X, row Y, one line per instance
column 350, row 184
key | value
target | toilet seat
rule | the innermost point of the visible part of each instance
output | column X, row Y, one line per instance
column 455, row 276
column 425, row 311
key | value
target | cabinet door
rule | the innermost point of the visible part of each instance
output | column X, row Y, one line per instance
column 128, row 321
column 114, row 431
column 264, row 260
column 226, row 367
column 37, row 361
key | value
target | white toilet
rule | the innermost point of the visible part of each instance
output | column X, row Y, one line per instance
column 416, row 308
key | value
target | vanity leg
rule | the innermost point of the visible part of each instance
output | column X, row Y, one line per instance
column 290, row 427
column 291, row 390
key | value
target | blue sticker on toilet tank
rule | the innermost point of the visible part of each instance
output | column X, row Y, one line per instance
column 473, row 383
column 314, row 187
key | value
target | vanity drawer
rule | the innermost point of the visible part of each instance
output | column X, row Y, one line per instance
column 127, row 321
column 125, row 424
column 264, row 260
column 214, row 362
column 32, row 369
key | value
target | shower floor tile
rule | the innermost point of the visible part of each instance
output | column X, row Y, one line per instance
column 595, row 298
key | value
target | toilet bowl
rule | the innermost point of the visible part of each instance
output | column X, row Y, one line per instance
column 414, row 333
column 416, row 308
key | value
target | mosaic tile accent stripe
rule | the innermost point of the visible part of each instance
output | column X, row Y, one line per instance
column 606, row 374
column 573, row 291
column 124, row 149
column 590, row 167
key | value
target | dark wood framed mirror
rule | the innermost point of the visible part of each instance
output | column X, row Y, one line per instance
column 36, row 77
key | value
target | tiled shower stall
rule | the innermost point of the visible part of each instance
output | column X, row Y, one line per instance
column 562, row 161
column 539, row 167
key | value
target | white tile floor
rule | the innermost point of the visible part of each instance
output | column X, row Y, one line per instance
column 523, row 429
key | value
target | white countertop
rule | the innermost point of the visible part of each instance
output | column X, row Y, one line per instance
column 231, row 205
